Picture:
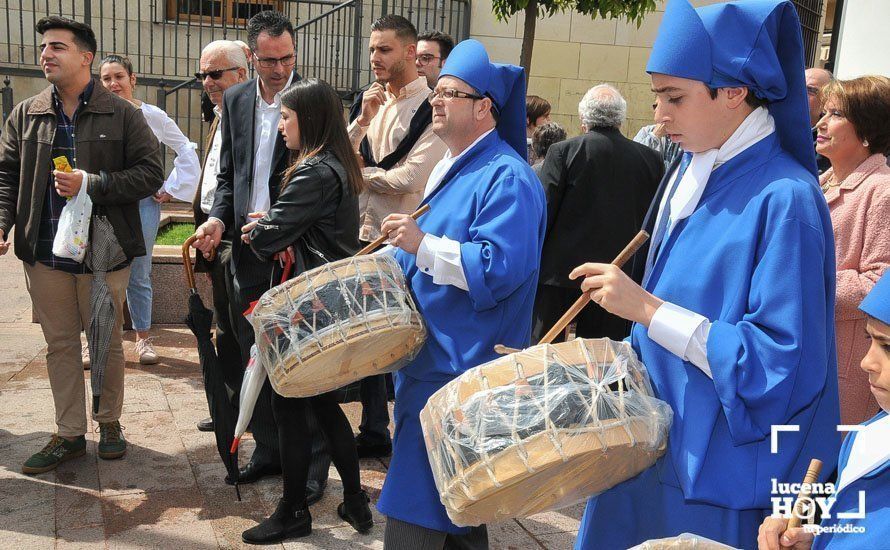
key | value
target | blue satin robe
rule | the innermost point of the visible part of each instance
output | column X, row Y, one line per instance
column 756, row 258
column 491, row 202
column 876, row 486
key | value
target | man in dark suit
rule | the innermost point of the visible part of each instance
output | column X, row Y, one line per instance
column 599, row 186
column 253, row 157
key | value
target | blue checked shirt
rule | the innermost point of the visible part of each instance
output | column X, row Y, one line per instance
column 63, row 145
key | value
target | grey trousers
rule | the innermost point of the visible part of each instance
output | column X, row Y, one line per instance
column 401, row 535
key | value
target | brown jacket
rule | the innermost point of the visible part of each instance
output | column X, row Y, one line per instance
column 114, row 145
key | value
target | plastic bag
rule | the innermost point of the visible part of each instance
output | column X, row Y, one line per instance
column 73, row 233
column 542, row 429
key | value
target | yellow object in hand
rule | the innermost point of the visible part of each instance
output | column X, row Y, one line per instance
column 61, row 164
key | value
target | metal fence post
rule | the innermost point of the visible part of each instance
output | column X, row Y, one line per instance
column 161, row 101
column 7, row 98
column 357, row 45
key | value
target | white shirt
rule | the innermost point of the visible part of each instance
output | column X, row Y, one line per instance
column 183, row 179
column 439, row 257
column 211, row 166
column 681, row 331
column 266, row 120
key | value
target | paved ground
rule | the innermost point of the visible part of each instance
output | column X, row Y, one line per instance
column 168, row 491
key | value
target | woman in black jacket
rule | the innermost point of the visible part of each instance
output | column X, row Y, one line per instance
column 316, row 219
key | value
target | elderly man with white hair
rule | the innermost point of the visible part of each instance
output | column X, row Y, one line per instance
column 599, row 186
column 223, row 64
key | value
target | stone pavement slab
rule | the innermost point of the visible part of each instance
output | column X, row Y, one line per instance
column 168, row 491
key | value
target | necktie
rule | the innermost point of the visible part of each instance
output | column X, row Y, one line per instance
column 664, row 220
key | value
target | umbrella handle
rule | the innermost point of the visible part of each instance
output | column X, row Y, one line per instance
column 382, row 238
column 187, row 261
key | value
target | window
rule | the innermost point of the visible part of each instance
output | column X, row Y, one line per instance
column 219, row 12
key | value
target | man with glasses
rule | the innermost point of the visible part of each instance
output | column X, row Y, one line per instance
column 816, row 80
column 251, row 160
column 222, row 65
column 472, row 263
column 433, row 48
column 392, row 131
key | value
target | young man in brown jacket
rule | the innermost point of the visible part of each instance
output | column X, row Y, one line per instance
column 114, row 153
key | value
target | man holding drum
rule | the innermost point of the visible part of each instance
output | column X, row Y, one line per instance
column 735, row 317
column 472, row 265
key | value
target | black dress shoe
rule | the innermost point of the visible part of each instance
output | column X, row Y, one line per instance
column 205, row 425
column 253, row 471
column 314, row 491
column 355, row 510
column 381, row 450
column 287, row 521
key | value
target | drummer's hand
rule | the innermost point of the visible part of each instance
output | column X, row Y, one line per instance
column 402, row 232
column 775, row 535
column 612, row 289
column 209, row 234
column 248, row 227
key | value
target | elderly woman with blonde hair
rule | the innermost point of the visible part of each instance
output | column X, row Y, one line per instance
column 854, row 134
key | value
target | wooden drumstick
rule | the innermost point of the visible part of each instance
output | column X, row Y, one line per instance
column 811, row 477
column 504, row 350
column 579, row 304
column 382, row 238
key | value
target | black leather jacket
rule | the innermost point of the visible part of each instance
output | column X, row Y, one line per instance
column 316, row 212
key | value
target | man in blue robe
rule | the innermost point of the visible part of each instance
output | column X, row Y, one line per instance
column 735, row 317
column 860, row 514
column 472, row 265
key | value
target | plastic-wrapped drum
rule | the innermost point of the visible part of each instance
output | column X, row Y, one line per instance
column 541, row 429
column 336, row 324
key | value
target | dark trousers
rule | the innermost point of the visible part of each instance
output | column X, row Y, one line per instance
column 295, row 441
column 227, row 349
column 551, row 302
column 374, row 428
column 401, row 535
column 263, row 426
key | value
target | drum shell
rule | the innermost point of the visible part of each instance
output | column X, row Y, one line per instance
column 540, row 429
column 336, row 324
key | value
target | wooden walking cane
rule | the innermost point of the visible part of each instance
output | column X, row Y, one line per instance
column 382, row 238
column 811, row 477
column 187, row 261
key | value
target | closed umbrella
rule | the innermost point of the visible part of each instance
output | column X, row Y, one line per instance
column 105, row 253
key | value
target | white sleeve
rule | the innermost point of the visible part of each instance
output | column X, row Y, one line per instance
column 439, row 257
column 182, row 182
column 683, row 333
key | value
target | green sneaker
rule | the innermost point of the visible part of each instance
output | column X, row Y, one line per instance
column 111, row 440
column 57, row 451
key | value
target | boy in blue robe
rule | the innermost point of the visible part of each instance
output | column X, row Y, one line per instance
column 472, row 265
column 863, row 487
column 735, row 317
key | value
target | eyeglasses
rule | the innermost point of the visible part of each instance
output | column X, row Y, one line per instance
column 270, row 62
column 812, row 90
column 215, row 75
column 450, row 93
column 427, row 58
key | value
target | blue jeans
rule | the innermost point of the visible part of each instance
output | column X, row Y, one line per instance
column 139, row 289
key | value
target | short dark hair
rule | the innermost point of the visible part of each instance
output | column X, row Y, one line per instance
column 751, row 100
column 274, row 23
column 404, row 29
column 546, row 135
column 865, row 102
column 445, row 42
column 535, row 107
column 84, row 36
column 120, row 60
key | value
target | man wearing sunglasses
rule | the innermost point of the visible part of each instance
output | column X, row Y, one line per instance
column 222, row 65
column 251, row 160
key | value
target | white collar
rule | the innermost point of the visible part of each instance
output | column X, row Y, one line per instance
column 870, row 449
column 276, row 101
column 446, row 163
column 217, row 110
column 756, row 126
column 465, row 151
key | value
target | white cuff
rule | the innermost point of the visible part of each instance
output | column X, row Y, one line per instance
column 683, row 333
column 439, row 257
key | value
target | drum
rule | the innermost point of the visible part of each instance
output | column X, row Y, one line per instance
column 541, row 429
column 337, row 324
column 686, row 541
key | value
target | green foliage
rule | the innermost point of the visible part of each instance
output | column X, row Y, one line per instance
column 632, row 10
column 175, row 233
